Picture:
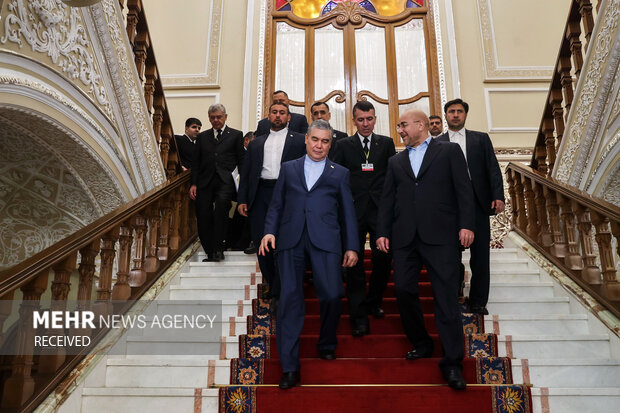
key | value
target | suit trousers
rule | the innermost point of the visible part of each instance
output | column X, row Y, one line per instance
column 359, row 301
column 479, row 260
column 257, row 228
column 291, row 308
column 213, row 204
column 441, row 264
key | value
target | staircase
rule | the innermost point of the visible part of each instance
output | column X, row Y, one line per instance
column 571, row 359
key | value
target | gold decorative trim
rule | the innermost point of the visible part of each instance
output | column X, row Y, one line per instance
column 210, row 78
column 493, row 72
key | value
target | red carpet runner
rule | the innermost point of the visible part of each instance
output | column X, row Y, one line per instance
column 370, row 373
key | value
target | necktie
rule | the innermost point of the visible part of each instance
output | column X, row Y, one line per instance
column 219, row 135
column 366, row 146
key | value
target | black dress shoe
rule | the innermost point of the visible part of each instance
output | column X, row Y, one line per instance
column 220, row 255
column 250, row 250
column 211, row 258
column 360, row 330
column 478, row 309
column 455, row 379
column 377, row 312
column 289, row 379
column 417, row 354
column 327, row 354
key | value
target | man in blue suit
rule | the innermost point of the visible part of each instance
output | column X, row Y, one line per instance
column 310, row 201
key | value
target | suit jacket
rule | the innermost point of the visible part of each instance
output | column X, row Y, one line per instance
column 486, row 176
column 187, row 150
column 217, row 157
column 298, row 123
column 294, row 147
column 436, row 204
column 336, row 136
column 320, row 209
column 365, row 185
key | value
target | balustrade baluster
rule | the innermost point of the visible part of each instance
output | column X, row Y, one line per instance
column 532, row 229
column 567, row 83
column 185, row 213
column 6, row 305
column 512, row 194
column 137, row 275
column 519, row 205
column 150, row 72
column 166, row 142
column 555, row 99
column 85, row 284
column 51, row 359
column 611, row 286
column 176, row 220
column 548, row 129
column 140, row 49
column 572, row 259
column 134, row 8
column 590, row 272
column 20, row 386
column 162, row 247
column 540, row 154
column 103, row 306
column 121, row 290
column 151, row 263
column 573, row 33
column 544, row 235
column 585, row 9
column 558, row 248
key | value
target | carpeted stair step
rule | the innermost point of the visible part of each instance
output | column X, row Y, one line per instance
column 372, row 346
column 374, row 399
column 370, row 371
column 425, row 290
column 389, row 305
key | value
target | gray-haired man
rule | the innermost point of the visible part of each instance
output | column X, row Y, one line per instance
column 219, row 151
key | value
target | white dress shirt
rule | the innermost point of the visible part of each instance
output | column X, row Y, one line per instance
column 459, row 137
column 274, row 146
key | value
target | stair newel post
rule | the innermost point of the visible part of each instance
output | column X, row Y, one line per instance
column 558, row 116
column 567, row 83
column 6, row 304
column 163, row 247
column 519, row 205
column 121, row 290
column 573, row 34
column 137, row 275
column 590, row 272
column 85, row 284
column 150, row 263
column 572, row 259
column 548, row 129
column 134, row 7
column 585, row 9
column 533, row 229
column 20, row 386
column 558, row 248
column 611, row 285
column 103, row 306
column 51, row 359
column 176, row 219
column 544, row 235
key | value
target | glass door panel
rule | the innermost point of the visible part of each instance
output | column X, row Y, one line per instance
column 290, row 61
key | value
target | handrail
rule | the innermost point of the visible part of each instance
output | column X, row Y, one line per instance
column 558, row 219
column 560, row 97
column 140, row 239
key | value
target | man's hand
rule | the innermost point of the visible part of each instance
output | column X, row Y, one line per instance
column 264, row 244
column 192, row 192
column 350, row 259
column 383, row 244
column 498, row 205
column 243, row 209
column 465, row 236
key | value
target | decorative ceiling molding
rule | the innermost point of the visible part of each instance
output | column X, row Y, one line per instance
column 493, row 72
column 52, row 28
column 140, row 140
column 593, row 95
column 210, row 77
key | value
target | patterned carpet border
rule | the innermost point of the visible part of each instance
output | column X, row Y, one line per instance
column 511, row 399
column 252, row 346
column 494, row 370
column 480, row 345
column 237, row 400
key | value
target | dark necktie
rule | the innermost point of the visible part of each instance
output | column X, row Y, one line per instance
column 366, row 146
column 219, row 135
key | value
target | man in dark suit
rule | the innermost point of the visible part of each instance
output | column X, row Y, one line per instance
column 219, row 151
column 320, row 110
column 366, row 155
column 426, row 209
column 488, row 186
column 265, row 154
column 435, row 127
column 186, row 143
column 297, row 123
column 311, row 200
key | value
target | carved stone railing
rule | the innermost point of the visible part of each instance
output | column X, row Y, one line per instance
column 135, row 244
column 146, row 64
column 571, row 228
column 579, row 26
